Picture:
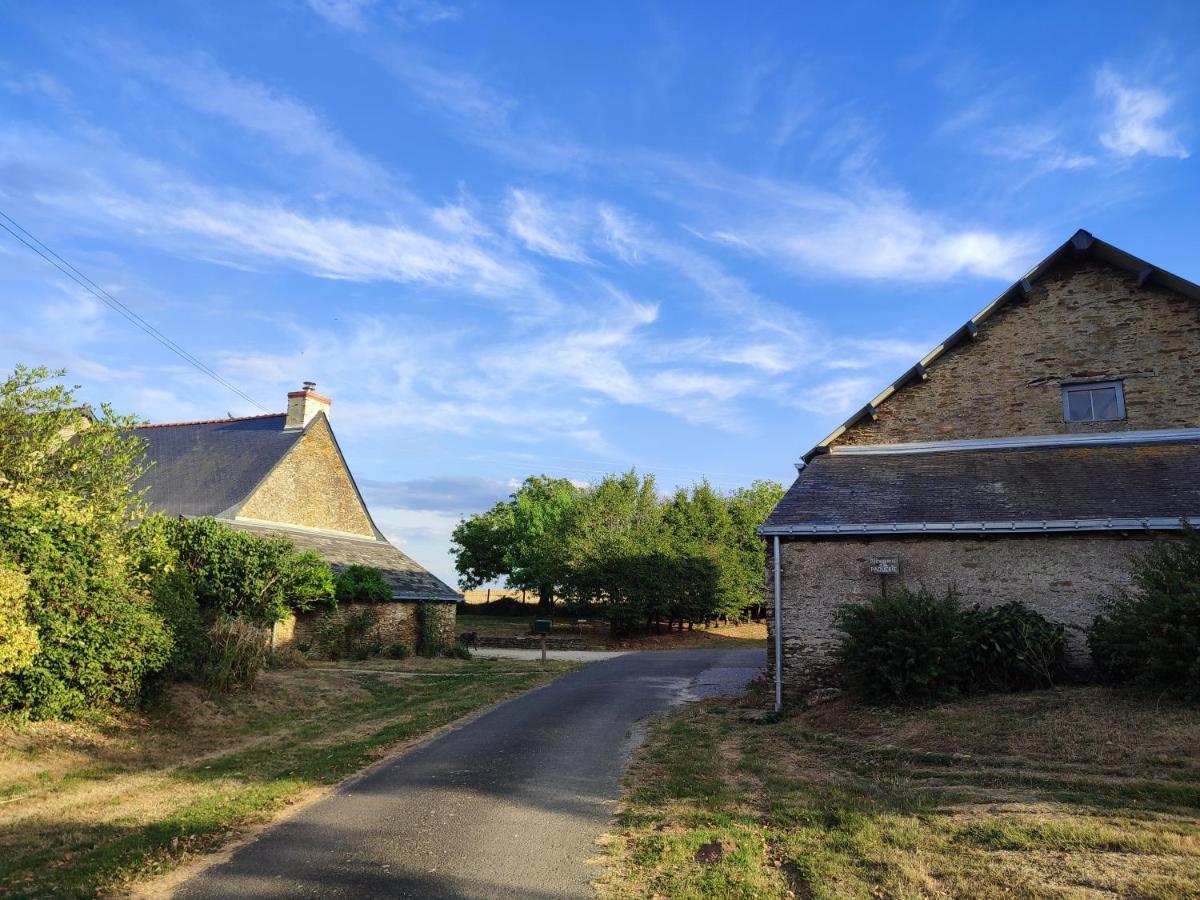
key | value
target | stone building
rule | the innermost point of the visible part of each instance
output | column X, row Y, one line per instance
column 1030, row 456
column 284, row 474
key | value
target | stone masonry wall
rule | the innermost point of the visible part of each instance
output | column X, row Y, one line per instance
column 1083, row 320
column 397, row 623
column 1064, row 577
column 310, row 487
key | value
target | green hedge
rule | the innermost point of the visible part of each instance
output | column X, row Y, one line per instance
column 915, row 647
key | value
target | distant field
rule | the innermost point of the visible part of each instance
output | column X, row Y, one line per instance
column 485, row 595
column 595, row 633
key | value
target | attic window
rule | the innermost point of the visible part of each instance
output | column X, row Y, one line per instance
column 1095, row 401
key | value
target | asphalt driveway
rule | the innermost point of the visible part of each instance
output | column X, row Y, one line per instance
column 510, row 805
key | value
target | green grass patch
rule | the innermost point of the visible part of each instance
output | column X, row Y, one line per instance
column 1075, row 792
column 93, row 807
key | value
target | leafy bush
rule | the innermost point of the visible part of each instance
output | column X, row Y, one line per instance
column 915, row 647
column 397, row 651
column 19, row 642
column 907, row 646
column 172, row 592
column 65, row 500
column 259, row 577
column 458, row 651
column 235, row 654
column 1153, row 634
column 362, row 584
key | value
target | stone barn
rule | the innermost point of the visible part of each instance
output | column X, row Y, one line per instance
column 284, row 474
column 1030, row 456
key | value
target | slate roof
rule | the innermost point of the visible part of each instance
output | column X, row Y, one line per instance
column 207, row 468
column 1070, row 486
column 409, row 580
column 210, row 468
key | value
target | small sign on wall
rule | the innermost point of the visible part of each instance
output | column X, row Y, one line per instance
column 883, row 565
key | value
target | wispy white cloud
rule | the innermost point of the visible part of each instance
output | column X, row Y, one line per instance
column 342, row 13
column 40, row 84
column 551, row 232
column 1135, row 118
column 873, row 234
column 838, row 397
column 292, row 127
column 353, row 14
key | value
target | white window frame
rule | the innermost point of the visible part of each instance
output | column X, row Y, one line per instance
column 1078, row 386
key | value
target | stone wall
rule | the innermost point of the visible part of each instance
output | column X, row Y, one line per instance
column 310, row 487
column 1062, row 576
column 396, row 624
column 1083, row 320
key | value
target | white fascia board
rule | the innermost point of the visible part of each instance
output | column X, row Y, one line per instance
column 1167, row 435
column 1029, row 526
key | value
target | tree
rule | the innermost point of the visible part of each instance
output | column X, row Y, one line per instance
column 746, row 562
column 480, row 546
column 615, row 551
column 66, row 497
column 522, row 539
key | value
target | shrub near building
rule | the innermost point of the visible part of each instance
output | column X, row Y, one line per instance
column 1153, row 634
column 917, row 647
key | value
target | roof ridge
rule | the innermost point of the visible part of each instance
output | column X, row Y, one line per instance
column 213, row 421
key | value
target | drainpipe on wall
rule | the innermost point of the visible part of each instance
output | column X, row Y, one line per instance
column 778, row 633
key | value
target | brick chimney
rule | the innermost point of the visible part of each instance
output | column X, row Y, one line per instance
column 304, row 404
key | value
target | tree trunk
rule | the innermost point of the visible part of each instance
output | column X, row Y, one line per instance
column 545, row 596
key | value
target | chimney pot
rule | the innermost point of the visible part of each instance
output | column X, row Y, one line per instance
column 304, row 405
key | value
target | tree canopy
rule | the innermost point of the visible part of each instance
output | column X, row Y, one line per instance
column 621, row 547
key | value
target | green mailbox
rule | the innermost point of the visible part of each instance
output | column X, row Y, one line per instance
column 542, row 626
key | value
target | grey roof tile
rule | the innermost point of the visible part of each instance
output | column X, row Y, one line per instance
column 208, row 468
column 409, row 581
column 1037, row 483
column 205, row 468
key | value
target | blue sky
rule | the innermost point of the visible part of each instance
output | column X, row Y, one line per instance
column 510, row 238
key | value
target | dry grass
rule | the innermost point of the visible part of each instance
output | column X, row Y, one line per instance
column 1081, row 792
column 88, row 807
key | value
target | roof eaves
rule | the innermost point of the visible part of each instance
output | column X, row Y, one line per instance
column 1082, row 243
column 1030, row 526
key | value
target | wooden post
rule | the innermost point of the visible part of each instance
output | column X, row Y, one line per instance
column 543, row 649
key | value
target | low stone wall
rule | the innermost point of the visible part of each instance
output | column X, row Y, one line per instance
column 396, row 623
column 1065, row 577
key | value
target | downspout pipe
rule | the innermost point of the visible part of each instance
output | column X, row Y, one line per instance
column 778, row 632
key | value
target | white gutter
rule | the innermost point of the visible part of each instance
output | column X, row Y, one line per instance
column 778, row 633
column 1033, row 526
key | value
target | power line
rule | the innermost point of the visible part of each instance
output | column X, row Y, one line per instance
column 32, row 242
